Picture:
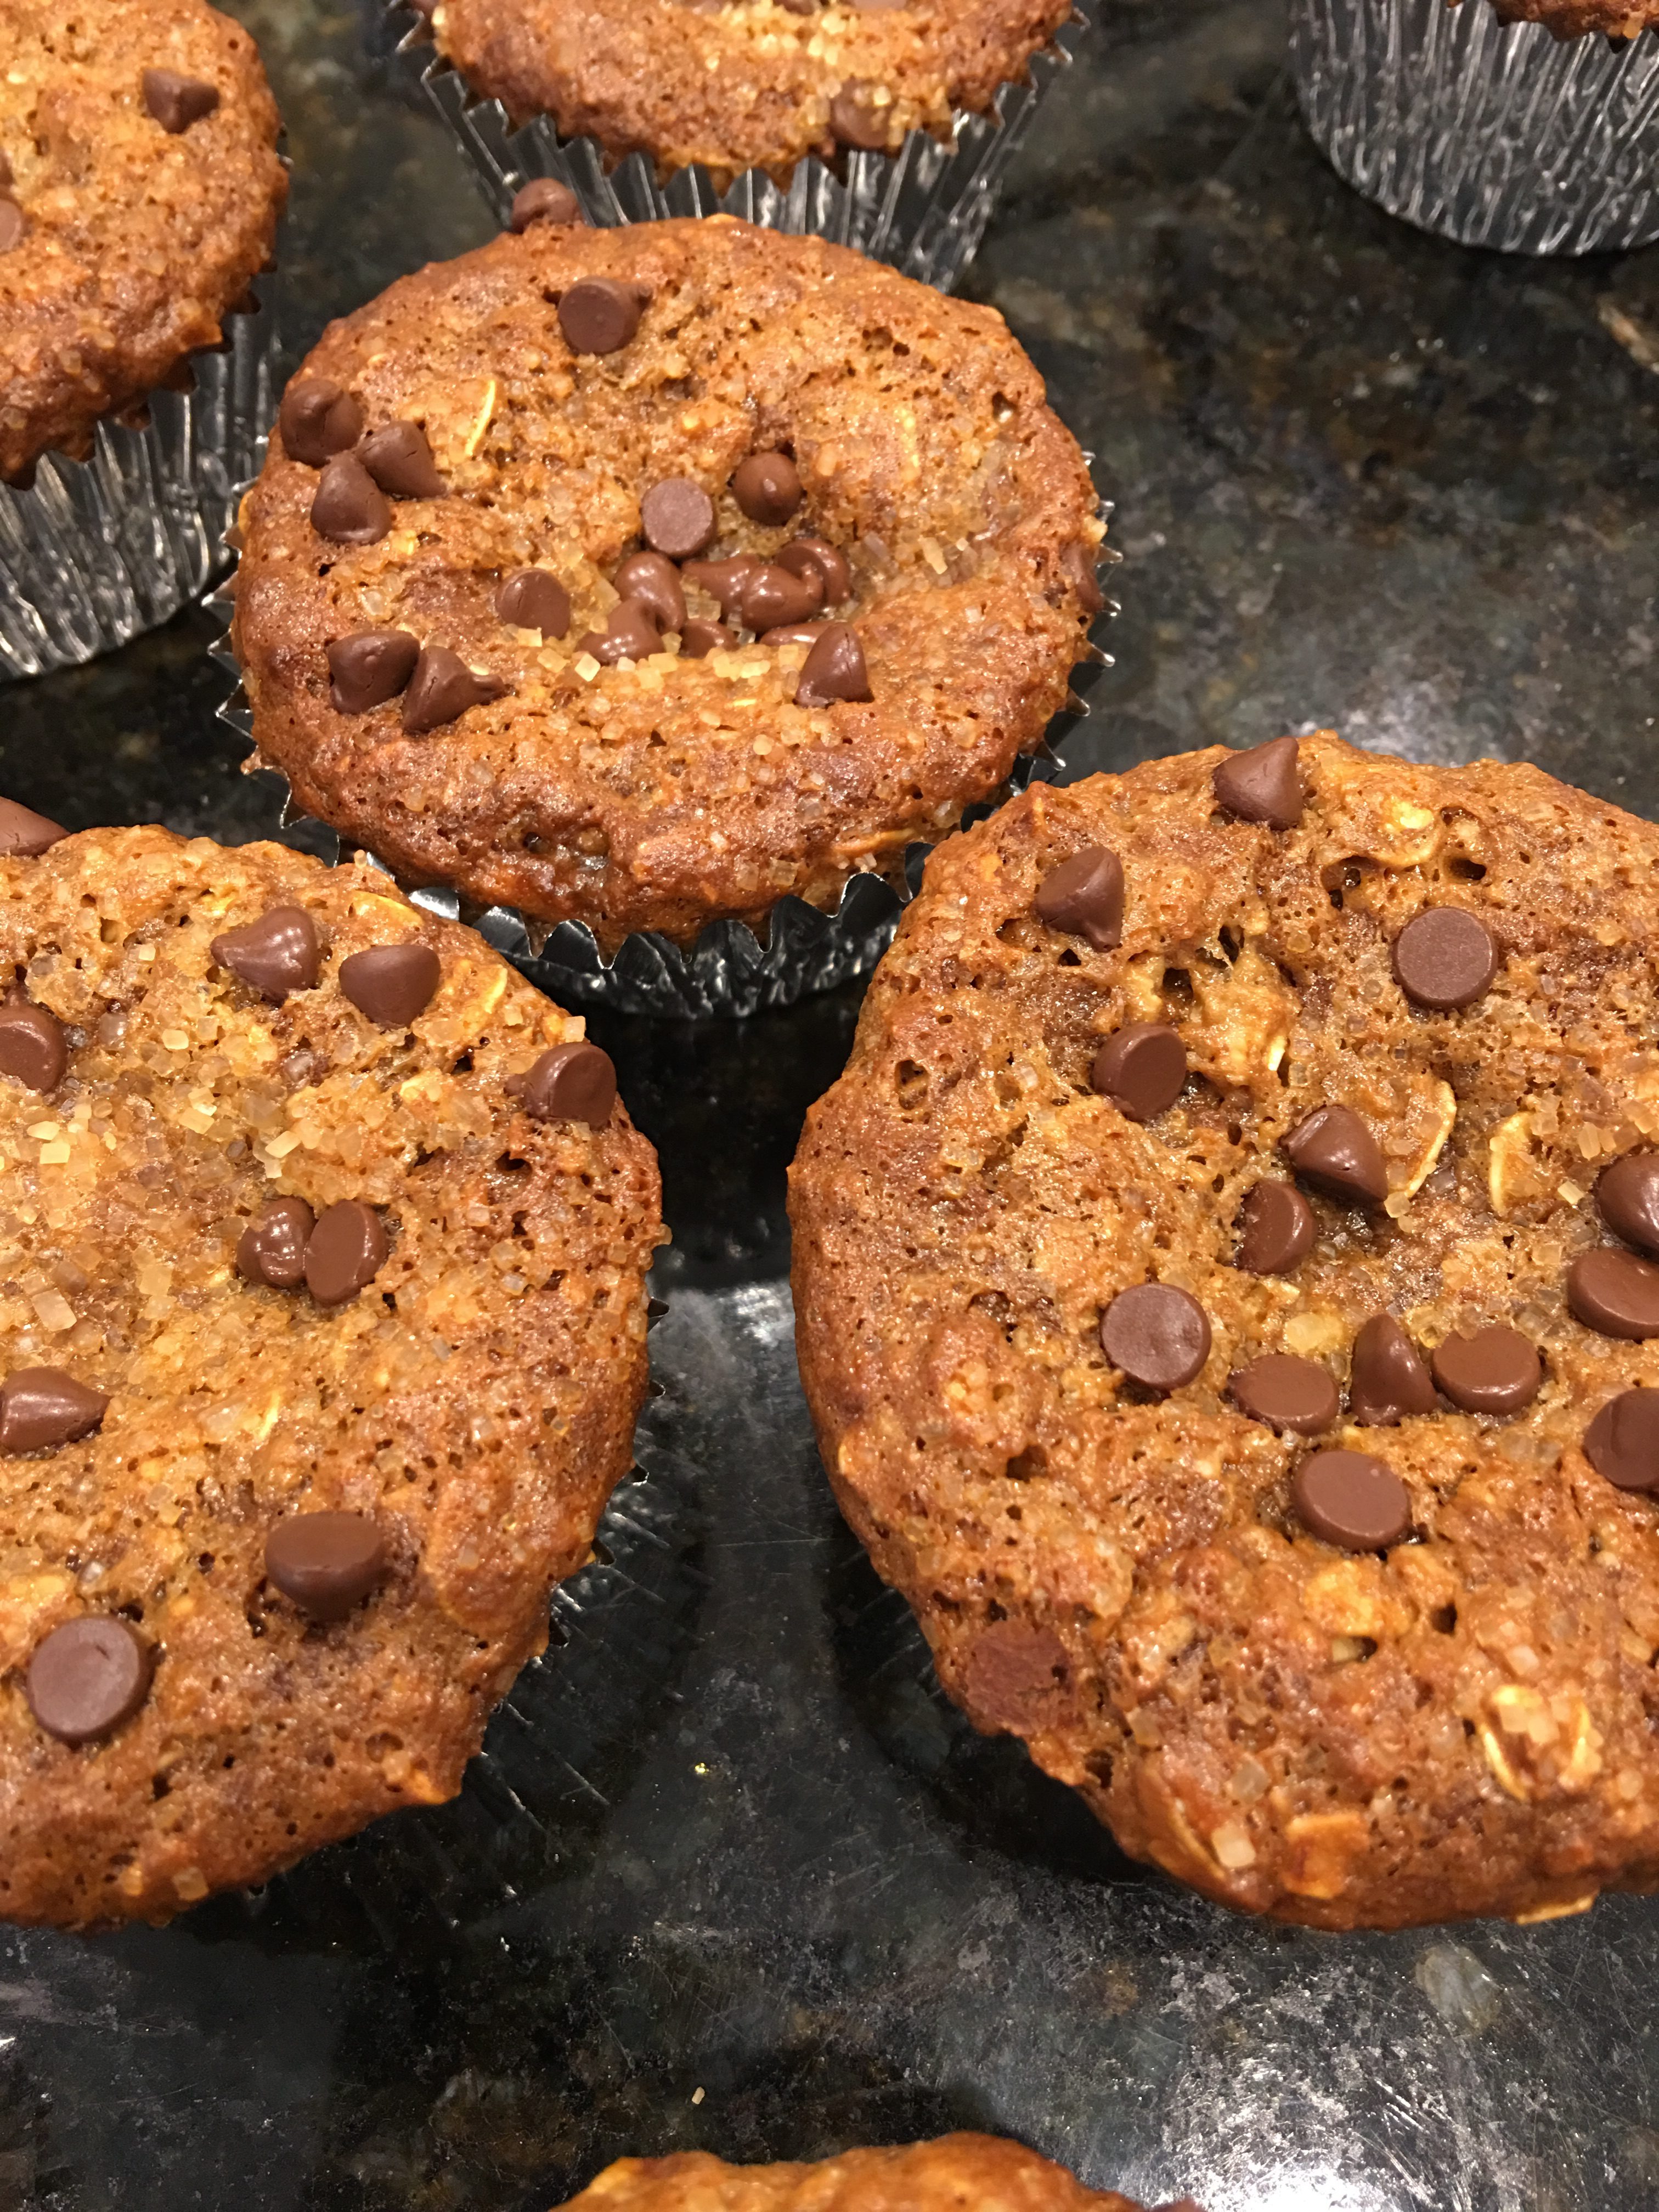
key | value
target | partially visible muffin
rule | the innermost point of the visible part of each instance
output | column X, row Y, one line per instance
column 758, row 84
column 140, row 190
column 323, row 1244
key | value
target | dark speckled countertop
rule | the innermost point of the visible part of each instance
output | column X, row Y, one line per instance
column 733, row 1875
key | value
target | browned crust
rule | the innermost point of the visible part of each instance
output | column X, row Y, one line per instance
column 667, row 797
column 741, row 87
column 478, row 1397
column 963, row 2172
column 1466, row 1726
column 1577, row 19
column 138, row 242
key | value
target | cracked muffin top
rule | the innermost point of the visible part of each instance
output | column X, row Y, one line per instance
column 641, row 576
column 964, row 2173
column 1226, row 1291
column 751, row 84
column 322, row 1337
column 140, row 190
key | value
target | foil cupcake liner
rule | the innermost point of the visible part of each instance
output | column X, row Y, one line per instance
column 1494, row 134
column 923, row 208
column 94, row 552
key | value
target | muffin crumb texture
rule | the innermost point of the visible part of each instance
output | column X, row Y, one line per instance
column 1265, row 1424
column 322, row 1352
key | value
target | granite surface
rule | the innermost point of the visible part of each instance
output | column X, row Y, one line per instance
column 733, row 1875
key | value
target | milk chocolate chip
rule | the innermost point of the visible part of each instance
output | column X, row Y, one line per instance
column 317, row 420
column 347, row 1250
column 533, row 598
column 400, row 461
column 722, row 579
column 1387, row 1380
column 1615, row 1293
column 87, row 1677
column 442, row 689
column 177, row 102
column 699, row 639
column 600, row 314
column 349, row 507
column 677, row 518
column 33, row 1049
column 804, row 553
column 1622, row 1443
column 25, row 835
column 272, row 1248
column 326, row 1563
column 1352, row 1500
column 391, row 983
column 278, row 953
column 856, row 119
column 569, row 1083
column 1015, row 1673
column 42, row 1407
column 1142, row 1069
column 369, row 667
column 1084, row 896
column 544, row 199
column 1336, row 1152
column 774, row 597
column 1287, row 1393
column 1445, row 957
column 1627, row 1198
column 653, row 582
column 630, row 634
column 1496, row 1370
column 1262, row 785
column 768, row 487
column 835, row 670
column 1158, row 1334
column 1276, row 1229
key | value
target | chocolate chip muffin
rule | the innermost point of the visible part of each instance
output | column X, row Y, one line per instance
column 955, row 2174
column 741, row 86
column 641, row 577
column 322, row 1258
column 140, row 189
column 1227, row 1295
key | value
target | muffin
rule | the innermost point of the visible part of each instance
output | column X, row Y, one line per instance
column 1528, row 125
column 1226, row 1294
column 885, row 127
column 324, row 1312
column 955, row 2173
column 573, row 583
column 140, row 190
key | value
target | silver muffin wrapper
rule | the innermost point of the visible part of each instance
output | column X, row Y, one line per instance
column 923, row 208
column 1494, row 134
column 96, row 551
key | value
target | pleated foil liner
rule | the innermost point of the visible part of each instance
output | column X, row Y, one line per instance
column 96, row 551
column 1493, row 134
column 923, row 208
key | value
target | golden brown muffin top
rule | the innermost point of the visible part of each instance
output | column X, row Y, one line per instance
column 963, row 2172
column 1576, row 19
column 140, row 190
column 458, row 1366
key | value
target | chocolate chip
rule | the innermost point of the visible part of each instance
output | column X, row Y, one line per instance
column 677, row 518
column 442, row 689
column 1078, row 561
column 41, row 1406
column 794, row 634
column 1352, row 1499
column 1496, row 1370
column 1276, row 1229
column 272, row 1248
column 391, row 983
column 569, row 1083
column 1627, row 1198
column 774, row 597
column 278, row 953
column 1262, row 785
column 349, row 507
column 1335, row 1150
column 1622, row 1443
column 1387, row 1379
column 599, row 314
column 1615, row 1293
column 722, row 579
column 654, row 580
column 87, row 1677
column 1158, row 1334
column 768, row 487
column 804, row 553
column 400, row 461
column 1084, row 896
column 533, row 599
column 317, row 420
column 1015, row 1673
column 33, row 1049
column 326, row 1563
column 13, row 225
column 631, row 633
column 348, row 1249
column 177, row 102
column 1141, row 1069
column 1287, row 1393
column 544, row 199
column 369, row 667
column 835, row 669
column 25, row 835
column 1445, row 957
column 856, row 120
column 699, row 639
